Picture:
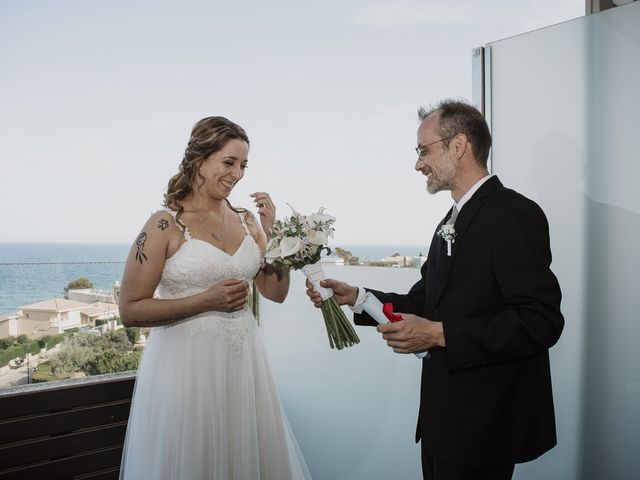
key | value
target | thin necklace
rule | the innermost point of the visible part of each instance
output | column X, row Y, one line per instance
column 217, row 236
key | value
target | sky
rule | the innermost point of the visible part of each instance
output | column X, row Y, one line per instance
column 98, row 98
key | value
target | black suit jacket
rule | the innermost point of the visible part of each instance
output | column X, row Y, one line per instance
column 486, row 398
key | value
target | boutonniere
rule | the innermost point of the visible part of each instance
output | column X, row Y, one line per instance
column 448, row 234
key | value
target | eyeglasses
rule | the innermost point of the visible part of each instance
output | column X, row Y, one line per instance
column 420, row 149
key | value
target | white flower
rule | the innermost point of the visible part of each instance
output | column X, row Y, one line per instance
column 289, row 246
column 273, row 250
column 320, row 217
column 447, row 233
column 273, row 243
column 272, row 255
column 317, row 237
column 297, row 240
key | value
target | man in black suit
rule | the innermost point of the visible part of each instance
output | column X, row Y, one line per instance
column 487, row 310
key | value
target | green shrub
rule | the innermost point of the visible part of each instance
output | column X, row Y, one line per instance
column 112, row 360
column 96, row 354
column 22, row 339
column 74, row 354
column 7, row 342
column 32, row 346
column 133, row 333
column 50, row 341
column 10, row 353
column 18, row 350
column 44, row 373
column 118, row 339
column 79, row 283
column 100, row 322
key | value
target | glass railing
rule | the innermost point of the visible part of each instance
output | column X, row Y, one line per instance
column 353, row 411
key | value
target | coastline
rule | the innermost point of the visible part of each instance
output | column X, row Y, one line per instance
column 31, row 272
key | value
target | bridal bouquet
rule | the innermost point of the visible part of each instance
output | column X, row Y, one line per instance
column 297, row 242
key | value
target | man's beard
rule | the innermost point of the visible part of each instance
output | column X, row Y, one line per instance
column 444, row 180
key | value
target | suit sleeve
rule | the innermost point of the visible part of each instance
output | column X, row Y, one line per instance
column 411, row 302
column 527, row 321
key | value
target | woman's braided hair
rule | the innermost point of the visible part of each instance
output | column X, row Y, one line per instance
column 208, row 136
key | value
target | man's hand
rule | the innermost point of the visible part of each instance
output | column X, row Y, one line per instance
column 344, row 293
column 412, row 334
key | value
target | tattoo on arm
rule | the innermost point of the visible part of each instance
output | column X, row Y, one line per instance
column 140, row 256
column 163, row 224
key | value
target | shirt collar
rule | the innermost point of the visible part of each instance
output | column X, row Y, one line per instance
column 465, row 198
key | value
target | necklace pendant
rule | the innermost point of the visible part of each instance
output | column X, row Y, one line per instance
column 217, row 236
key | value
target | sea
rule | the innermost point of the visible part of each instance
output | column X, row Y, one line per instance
column 33, row 272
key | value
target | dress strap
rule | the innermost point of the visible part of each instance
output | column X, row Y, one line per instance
column 243, row 221
column 181, row 226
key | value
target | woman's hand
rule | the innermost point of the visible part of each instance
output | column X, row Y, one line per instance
column 227, row 296
column 266, row 211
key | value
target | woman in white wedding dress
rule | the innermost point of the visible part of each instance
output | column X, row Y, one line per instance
column 205, row 404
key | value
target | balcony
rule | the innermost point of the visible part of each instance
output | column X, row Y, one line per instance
column 65, row 429
column 76, row 428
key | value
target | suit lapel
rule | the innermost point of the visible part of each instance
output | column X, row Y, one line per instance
column 463, row 222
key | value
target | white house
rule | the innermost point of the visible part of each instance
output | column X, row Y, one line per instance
column 98, row 311
column 92, row 295
column 399, row 260
column 9, row 326
column 332, row 260
column 49, row 317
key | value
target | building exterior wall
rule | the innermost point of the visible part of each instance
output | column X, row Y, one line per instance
column 90, row 295
column 70, row 320
column 9, row 327
column 36, row 326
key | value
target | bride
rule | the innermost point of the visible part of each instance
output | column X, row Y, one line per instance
column 205, row 405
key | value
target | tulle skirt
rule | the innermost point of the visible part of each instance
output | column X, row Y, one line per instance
column 205, row 406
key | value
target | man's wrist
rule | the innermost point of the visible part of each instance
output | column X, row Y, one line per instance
column 354, row 297
column 359, row 297
column 440, row 335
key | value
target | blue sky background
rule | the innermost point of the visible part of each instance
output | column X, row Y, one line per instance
column 97, row 100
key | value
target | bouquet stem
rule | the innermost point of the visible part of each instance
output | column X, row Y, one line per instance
column 341, row 333
column 339, row 330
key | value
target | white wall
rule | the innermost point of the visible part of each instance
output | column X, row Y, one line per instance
column 564, row 114
column 9, row 327
column 70, row 319
column 90, row 295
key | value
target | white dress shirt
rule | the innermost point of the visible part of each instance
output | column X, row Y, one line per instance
column 360, row 301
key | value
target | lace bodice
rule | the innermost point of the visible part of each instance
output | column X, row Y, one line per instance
column 198, row 265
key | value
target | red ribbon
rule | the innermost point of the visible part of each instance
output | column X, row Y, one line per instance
column 387, row 309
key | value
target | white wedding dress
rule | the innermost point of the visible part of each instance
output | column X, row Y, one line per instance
column 205, row 405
